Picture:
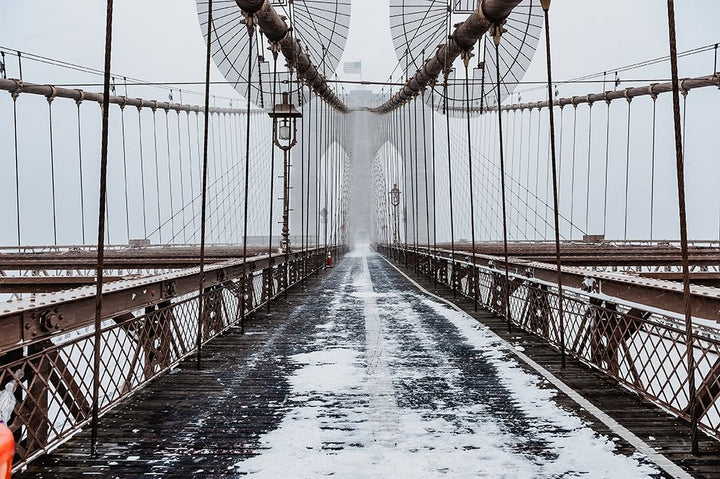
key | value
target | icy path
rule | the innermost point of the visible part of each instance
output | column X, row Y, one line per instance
column 395, row 384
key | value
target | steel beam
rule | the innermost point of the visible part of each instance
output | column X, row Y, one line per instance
column 276, row 30
column 487, row 14
column 17, row 87
column 662, row 295
column 30, row 321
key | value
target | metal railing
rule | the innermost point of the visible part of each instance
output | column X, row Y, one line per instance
column 54, row 373
column 640, row 346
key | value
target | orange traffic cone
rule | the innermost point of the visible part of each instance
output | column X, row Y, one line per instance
column 7, row 451
column 329, row 261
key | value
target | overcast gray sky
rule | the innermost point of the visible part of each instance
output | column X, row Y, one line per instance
column 160, row 40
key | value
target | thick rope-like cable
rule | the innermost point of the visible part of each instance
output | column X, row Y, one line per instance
column 101, row 232
column 203, row 208
column 680, row 169
column 243, row 313
column 546, row 7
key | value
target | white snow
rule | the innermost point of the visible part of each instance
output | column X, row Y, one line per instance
column 346, row 421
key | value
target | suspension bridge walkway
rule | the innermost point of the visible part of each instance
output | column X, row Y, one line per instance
column 188, row 288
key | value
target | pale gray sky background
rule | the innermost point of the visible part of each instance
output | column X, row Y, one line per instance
column 160, row 40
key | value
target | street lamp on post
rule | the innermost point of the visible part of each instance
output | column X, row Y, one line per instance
column 284, row 117
column 395, row 201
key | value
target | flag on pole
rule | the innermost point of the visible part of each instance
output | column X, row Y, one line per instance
column 353, row 68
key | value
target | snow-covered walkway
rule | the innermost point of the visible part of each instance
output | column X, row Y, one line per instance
column 361, row 375
column 395, row 384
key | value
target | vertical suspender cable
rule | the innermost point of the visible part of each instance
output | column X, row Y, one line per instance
column 450, row 192
column 17, row 169
column 142, row 172
column 274, row 50
column 101, row 230
column 506, row 286
column 80, row 168
column 627, row 170
column 546, row 8
column 652, row 167
column 50, row 99
column 125, row 176
column 589, row 157
column 416, row 185
column 425, row 170
column 157, row 171
column 251, row 30
column 607, row 165
column 170, row 185
column 303, row 239
column 182, row 177
column 572, row 182
column 203, row 208
column 466, row 60
column 432, row 129
column 316, row 186
column 309, row 164
column 680, row 166
column 405, row 133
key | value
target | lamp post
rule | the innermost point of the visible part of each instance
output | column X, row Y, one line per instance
column 284, row 117
column 395, row 201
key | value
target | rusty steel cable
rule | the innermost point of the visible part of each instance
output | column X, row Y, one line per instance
column 203, row 208
column 680, row 169
column 101, row 232
column 546, row 8
column 251, row 32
